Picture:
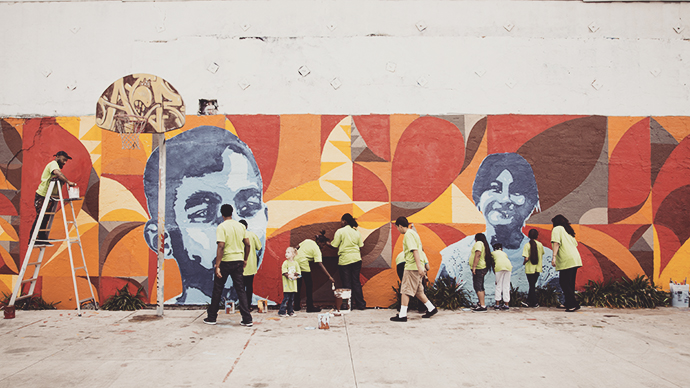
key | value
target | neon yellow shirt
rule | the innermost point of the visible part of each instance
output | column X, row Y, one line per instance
column 232, row 233
column 502, row 261
column 348, row 241
column 46, row 176
column 412, row 242
column 478, row 246
column 529, row 267
column 568, row 256
column 252, row 260
column 290, row 267
column 308, row 251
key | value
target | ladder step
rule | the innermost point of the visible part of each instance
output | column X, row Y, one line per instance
column 34, row 263
column 87, row 299
column 44, row 230
column 76, row 268
column 24, row 296
column 43, row 246
column 29, row 280
column 53, row 213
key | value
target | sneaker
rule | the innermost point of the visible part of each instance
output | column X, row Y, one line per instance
column 524, row 304
column 572, row 309
column 292, row 314
column 535, row 306
column 397, row 318
column 479, row 309
column 430, row 313
column 209, row 321
column 497, row 307
column 248, row 324
column 505, row 307
column 313, row 310
column 283, row 315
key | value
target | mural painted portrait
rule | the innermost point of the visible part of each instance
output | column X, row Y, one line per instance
column 207, row 167
column 505, row 192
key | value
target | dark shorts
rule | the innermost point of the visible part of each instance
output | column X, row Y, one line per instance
column 478, row 279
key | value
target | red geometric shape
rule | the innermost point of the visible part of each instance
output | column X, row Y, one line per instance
column 6, row 207
column 630, row 168
column 328, row 122
column 270, row 284
column 375, row 130
column 366, row 186
column 133, row 183
column 609, row 270
column 668, row 245
column 262, row 134
column 674, row 213
column 428, row 158
column 590, row 270
column 447, row 234
column 507, row 133
column 620, row 232
column 673, row 174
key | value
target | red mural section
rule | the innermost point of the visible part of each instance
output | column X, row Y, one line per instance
column 624, row 184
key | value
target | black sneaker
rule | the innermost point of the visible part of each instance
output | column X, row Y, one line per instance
column 430, row 313
column 209, row 321
column 479, row 309
column 505, row 307
column 248, row 324
column 397, row 318
column 313, row 310
column 497, row 307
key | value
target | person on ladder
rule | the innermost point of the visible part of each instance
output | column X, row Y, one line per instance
column 51, row 171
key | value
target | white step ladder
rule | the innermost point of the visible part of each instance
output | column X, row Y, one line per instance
column 43, row 244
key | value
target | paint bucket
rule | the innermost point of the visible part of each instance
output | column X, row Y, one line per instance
column 262, row 305
column 73, row 192
column 679, row 295
column 229, row 307
column 9, row 312
column 324, row 321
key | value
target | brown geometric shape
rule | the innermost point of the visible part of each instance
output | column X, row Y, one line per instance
column 674, row 213
column 474, row 141
column 406, row 209
column 608, row 269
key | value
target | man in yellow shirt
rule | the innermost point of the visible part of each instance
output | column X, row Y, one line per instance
column 232, row 254
column 252, row 266
column 51, row 171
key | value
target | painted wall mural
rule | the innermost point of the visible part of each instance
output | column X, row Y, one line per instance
column 624, row 183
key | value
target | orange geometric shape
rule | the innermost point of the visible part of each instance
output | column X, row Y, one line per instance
column 366, row 186
column 7, row 261
column 125, row 258
column 617, row 127
column 642, row 216
column 630, row 169
column 378, row 291
column 465, row 180
column 613, row 250
column 376, row 215
column 330, row 213
column 7, row 232
column 399, row 123
column 678, row 127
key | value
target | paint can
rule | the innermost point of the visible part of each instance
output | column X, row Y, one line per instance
column 9, row 312
column 229, row 307
column 324, row 321
column 73, row 192
column 262, row 305
column 679, row 295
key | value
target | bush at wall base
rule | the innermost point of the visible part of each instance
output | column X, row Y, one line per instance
column 32, row 303
column 639, row 292
column 123, row 300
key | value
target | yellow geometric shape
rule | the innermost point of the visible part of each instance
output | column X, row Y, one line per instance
column 310, row 191
column 464, row 210
column 96, row 164
column 91, row 145
column 344, row 186
column 335, row 191
column 347, row 128
column 230, row 127
column 327, row 167
column 617, row 127
column 116, row 202
column 7, row 283
column 439, row 211
column 280, row 213
column 70, row 124
column 657, row 257
column 342, row 146
column 94, row 134
column 612, row 249
column 642, row 216
column 7, row 259
column 677, row 268
column 87, row 124
column 5, row 184
column 7, row 232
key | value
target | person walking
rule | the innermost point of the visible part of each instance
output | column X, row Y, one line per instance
column 348, row 240
column 502, row 269
column 308, row 252
column 232, row 254
column 480, row 261
column 533, row 253
column 252, row 264
column 414, row 274
column 566, row 259
column 52, row 170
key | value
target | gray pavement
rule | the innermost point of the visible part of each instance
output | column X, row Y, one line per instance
column 519, row 348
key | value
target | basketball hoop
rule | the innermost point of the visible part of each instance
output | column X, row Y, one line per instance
column 129, row 127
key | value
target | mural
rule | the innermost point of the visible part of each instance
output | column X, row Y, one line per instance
column 624, row 182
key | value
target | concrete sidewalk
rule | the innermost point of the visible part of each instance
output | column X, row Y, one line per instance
column 519, row 348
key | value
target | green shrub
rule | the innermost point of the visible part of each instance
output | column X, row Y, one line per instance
column 32, row 303
column 445, row 293
column 639, row 292
column 123, row 300
column 547, row 296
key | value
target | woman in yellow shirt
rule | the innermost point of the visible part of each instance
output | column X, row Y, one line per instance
column 348, row 240
column 533, row 253
column 566, row 259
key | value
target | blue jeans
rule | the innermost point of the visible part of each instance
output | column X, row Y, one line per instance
column 288, row 303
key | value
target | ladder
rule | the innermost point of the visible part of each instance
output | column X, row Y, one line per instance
column 43, row 244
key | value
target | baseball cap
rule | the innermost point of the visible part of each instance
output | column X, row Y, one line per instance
column 63, row 153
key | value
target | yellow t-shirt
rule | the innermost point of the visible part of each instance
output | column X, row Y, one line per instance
column 502, row 262
column 232, row 233
column 568, row 256
column 308, row 251
column 252, row 260
column 478, row 246
column 401, row 258
column 290, row 267
column 529, row 267
column 411, row 241
column 348, row 241
column 46, row 176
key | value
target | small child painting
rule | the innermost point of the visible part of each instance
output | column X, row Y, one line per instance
column 291, row 272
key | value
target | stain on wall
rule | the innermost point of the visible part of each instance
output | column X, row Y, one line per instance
column 623, row 182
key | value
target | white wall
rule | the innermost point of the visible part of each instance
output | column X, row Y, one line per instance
column 56, row 58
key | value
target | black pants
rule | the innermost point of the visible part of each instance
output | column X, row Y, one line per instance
column 38, row 204
column 249, row 288
column 233, row 269
column 309, row 289
column 532, row 294
column 566, row 278
column 349, row 275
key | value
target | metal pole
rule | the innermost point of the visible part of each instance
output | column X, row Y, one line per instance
column 161, row 222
